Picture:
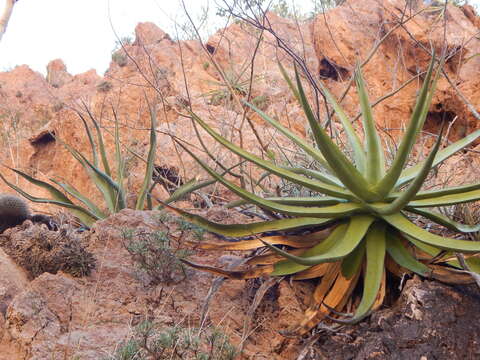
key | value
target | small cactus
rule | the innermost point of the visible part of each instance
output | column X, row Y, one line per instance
column 14, row 211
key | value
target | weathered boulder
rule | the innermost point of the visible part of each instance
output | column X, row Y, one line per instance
column 57, row 74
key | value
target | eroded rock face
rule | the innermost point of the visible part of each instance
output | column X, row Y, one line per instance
column 148, row 33
column 354, row 30
column 429, row 321
column 41, row 313
column 12, row 281
column 57, row 74
column 89, row 317
column 34, row 106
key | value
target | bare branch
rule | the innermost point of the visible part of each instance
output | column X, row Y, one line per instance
column 7, row 12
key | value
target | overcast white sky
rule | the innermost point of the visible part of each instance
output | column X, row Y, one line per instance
column 79, row 31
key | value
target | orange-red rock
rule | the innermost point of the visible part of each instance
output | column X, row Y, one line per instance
column 182, row 73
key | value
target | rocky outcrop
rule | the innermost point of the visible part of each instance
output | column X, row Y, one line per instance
column 89, row 317
column 331, row 45
column 58, row 316
column 57, row 74
column 148, row 33
column 414, row 328
column 354, row 31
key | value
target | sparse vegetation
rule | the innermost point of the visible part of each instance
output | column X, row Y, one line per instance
column 104, row 86
column 120, row 58
column 153, row 341
column 118, row 53
column 154, row 254
column 160, row 253
column 282, row 8
column 261, row 101
column 221, row 95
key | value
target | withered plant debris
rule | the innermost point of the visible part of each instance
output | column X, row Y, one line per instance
column 39, row 250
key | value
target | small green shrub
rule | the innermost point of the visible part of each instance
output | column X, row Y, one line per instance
column 218, row 98
column 261, row 101
column 185, row 226
column 222, row 92
column 151, row 341
column 104, row 86
column 154, row 254
column 120, row 58
column 119, row 55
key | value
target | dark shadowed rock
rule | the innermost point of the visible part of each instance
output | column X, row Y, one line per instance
column 430, row 321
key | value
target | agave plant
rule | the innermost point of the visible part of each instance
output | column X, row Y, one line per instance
column 359, row 221
column 110, row 186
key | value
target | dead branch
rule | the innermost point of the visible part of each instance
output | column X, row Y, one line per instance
column 7, row 13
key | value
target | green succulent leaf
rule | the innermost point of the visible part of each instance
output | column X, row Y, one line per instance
column 251, row 228
column 54, row 192
column 404, row 225
column 446, row 200
column 191, row 186
column 301, row 201
column 314, row 153
column 342, row 209
column 400, row 202
column 342, row 167
column 403, row 257
column 411, row 172
column 79, row 196
column 289, row 81
column 90, row 139
column 185, row 189
column 355, row 232
column 375, row 245
column 375, row 158
column 101, row 145
column 474, row 264
column 351, row 264
column 269, row 166
column 119, row 161
column 150, row 161
column 426, row 248
column 326, row 178
column 430, row 194
column 387, row 183
column 445, row 220
column 354, row 141
column 110, row 190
